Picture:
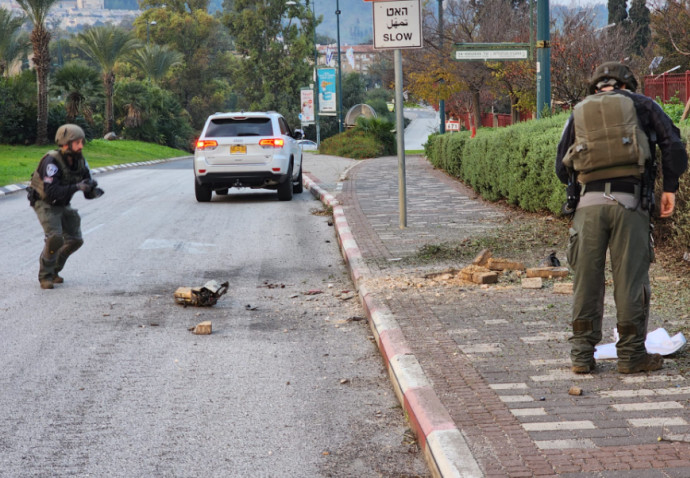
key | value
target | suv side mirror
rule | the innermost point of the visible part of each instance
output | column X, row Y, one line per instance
column 298, row 134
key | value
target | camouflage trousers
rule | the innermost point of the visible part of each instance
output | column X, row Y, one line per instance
column 62, row 228
column 625, row 233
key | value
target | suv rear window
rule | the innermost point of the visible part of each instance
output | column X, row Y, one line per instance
column 220, row 127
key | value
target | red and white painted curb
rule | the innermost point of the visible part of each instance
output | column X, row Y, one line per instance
column 444, row 446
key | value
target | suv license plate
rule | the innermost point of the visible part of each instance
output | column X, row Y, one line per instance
column 238, row 149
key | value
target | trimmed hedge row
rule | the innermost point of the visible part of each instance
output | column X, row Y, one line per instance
column 516, row 164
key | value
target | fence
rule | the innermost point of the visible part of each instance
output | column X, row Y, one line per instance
column 667, row 86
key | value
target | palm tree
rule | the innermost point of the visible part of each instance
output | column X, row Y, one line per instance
column 81, row 85
column 37, row 11
column 10, row 43
column 155, row 61
column 105, row 46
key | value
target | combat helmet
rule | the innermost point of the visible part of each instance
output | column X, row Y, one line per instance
column 610, row 73
column 68, row 133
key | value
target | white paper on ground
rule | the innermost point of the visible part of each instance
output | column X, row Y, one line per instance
column 658, row 342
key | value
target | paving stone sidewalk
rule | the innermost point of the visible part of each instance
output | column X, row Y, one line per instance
column 497, row 356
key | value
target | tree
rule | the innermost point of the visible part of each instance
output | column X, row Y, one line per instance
column 201, row 82
column 155, row 61
column 618, row 11
column 273, row 55
column 670, row 24
column 80, row 84
column 105, row 46
column 639, row 20
column 10, row 46
column 577, row 48
column 37, row 11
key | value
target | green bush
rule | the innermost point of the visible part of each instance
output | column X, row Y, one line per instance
column 352, row 144
column 517, row 164
column 369, row 139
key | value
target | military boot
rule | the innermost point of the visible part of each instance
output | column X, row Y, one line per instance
column 57, row 279
column 46, row 284
column 584, row 368
column 649, row 363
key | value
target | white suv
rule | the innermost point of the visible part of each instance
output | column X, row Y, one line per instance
column 254, row 150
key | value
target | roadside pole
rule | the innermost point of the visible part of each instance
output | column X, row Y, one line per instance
column 398, row 25
column 400, row 132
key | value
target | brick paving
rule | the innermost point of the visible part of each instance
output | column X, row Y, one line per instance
column 498, row 357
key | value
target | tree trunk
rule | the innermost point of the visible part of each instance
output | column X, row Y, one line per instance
column 477, row 109
column 40, row 39
column 109, row 84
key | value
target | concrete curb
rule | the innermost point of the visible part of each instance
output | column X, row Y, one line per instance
column 444, row 446
column 13, row 188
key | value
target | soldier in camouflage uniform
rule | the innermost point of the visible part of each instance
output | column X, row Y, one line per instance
column 614, row 212
column 59, row 175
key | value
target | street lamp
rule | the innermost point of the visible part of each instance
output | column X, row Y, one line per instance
column 152, row 23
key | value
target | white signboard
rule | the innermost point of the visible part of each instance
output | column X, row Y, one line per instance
column 491, row 54
column 397, row 24
column 307, row 102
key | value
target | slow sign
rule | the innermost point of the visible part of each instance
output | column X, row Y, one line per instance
column 397, row 24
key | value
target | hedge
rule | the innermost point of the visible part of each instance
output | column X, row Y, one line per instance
column 516, row 164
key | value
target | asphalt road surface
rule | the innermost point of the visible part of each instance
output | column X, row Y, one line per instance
column 102, row 377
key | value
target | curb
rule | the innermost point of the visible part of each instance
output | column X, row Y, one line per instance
column 12, row 188
column 444, row 446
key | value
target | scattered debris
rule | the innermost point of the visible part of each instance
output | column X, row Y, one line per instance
column 356, row 318
column 531, row 283
column 575, row 391
column 478, row 275
column 250, row 307
column 202, row 328
column 482, row 258
column 268, row 285
column 346, row 296
column 498, row 264
column 563, row 288
column 206, row 295
column 344, row 381
column 686, row 257
column 547, row 272
column 313, row 292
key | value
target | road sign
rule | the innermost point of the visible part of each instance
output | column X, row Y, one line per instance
column 397, row 24
column 491, row 51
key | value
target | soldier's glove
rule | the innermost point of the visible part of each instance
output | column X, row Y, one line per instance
column 85, row 185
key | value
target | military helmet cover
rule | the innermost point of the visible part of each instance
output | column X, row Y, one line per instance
column 68, row 133
column 610, row 73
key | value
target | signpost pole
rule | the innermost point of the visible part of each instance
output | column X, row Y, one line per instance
column 400, row 132
column 543, row 58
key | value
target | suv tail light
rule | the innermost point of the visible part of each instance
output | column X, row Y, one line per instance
column 206, row 144
column 272, row 142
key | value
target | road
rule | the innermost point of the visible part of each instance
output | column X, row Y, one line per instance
column 101, row 376
column 423, row 122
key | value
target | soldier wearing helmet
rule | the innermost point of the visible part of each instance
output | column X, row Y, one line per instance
column 611, row 169
column 59, row 175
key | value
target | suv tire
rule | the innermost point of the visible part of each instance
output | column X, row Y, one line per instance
column 203, row 192
column 298, row 186
column 285, row 188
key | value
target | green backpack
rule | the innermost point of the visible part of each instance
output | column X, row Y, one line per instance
column 609, row 142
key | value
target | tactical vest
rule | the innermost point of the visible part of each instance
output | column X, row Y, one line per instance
column 69, row 175
column 609, row 142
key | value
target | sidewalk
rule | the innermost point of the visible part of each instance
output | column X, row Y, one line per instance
column 483, row 371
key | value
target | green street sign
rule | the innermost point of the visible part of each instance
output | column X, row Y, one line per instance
column 491, row 51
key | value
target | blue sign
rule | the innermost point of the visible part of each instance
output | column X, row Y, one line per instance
column 326, row 87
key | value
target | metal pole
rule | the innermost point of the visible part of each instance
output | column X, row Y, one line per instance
column 316, row 78
column 442, row 102
column 400, row 133
column 543, row 58
column 340, row 71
